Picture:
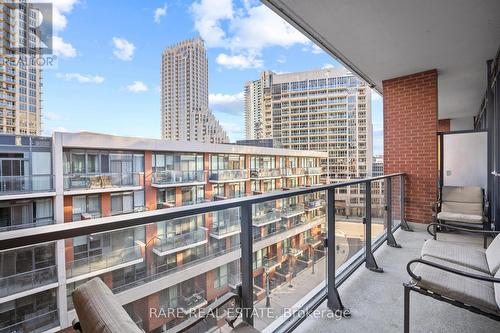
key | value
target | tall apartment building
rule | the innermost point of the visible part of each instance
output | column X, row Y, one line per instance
column 258, row 116
column 20, row 74
column 185, row 115
column 183, row 263
column 323, row 110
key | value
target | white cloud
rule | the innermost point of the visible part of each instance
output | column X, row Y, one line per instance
column 52, row 116
column 137, row 87
column 124, row 50
column 159, row 13
column 238, row 61
column 217, row 99
column 234, row 130
column 81, row 78
column 328, row 66
column 207, row 19
column 281, row 59
column 316, row 49
column 245, row 32
column 61, row 48
column 60, row 8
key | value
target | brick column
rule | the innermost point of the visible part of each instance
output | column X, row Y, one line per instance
column 444, row 125
column 410, row 141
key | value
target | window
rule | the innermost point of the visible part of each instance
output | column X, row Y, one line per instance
column 86, row 206
column 220, row 276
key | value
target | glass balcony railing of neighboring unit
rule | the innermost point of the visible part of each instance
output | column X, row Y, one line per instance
column 192, row 300
column 292, row 210
column 225, row 222
column 35, row 323
column 290, row 172
column 314, row 240
column 102, row 180
column 6, row 225
column 102, row 262
column 26, row 184
column 314, row 203
column 175, row 243
column 234, row 280
column 262, row 219
column 228, row 175
column 313, row 171
column 177, row 177
column 28, row 280
column 265, row 173
column 270, row 262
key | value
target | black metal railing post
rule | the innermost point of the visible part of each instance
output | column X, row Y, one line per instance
column 391, row 241
column 334, row 302
column 370, row 262
column 246, row 263
column 404, row 225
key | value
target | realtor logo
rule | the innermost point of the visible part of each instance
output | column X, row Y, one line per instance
column 28, row 28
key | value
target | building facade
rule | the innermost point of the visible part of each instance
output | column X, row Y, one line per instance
column 378, row 165
column 322, row 110
column 20, row 74
column 185, row 115
column 184, row 263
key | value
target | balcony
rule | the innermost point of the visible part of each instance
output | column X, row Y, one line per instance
column 19, row 185
column 262, row 219
column 313, row 171
column 172, row 178
column 314, row 204
column 269, row 263
column 37, row 322
column 228, row 176
column 92, row 266
column 8, row 226
column 176, row 243
column 265, row 174
column 292, row 210
column 20, row 282
column 225, row 223
column 293, row 172
column 192, row 301
column 104, row 182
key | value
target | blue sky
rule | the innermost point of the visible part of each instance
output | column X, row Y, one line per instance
column 108, row 69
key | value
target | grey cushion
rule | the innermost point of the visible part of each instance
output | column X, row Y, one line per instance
column 480, row 294
column 244, row 328
column 99, row 312
column 470, row 257
column 466, row 208
column 462, row 194
column 497, row 288
column 493, row 255
column 459, row 217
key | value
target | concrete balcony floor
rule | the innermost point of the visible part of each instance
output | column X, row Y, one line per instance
column 376, row 299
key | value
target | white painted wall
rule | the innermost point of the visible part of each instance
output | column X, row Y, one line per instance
column 465, row 159
column 461, row 124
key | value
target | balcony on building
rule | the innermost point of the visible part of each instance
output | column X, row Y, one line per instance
column 176, row 169
column 265, row 214
column 173, row 243
column 26, row 167
column 227, row 168
column 26, row 213
column 292, row 210
column 264, row 167
column 225, row 223
column 97, row 171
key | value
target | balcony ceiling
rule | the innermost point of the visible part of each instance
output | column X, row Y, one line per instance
column 384, row 39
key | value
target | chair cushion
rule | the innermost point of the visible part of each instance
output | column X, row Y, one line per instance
column 497, row 289
column 462, row 194
column 470, row 257
column 480, row 294
column 98, row 310
column 244, row 328
column 466, row 208
column 458, row 217
column 493, row 255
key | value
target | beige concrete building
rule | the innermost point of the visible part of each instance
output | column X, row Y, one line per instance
column 323, row 110
column 185, row 114
column 20, row 76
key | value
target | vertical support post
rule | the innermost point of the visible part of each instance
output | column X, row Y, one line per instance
column 404, row 225
column 391, row 241
column 406, row 308
column 246, row 264
column 334, row 302
column 370, row 262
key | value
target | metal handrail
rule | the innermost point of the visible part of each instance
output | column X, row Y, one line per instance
column 13, row 239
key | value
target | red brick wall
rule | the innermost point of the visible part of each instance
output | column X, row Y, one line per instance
column 410, row 141
column 444, row 125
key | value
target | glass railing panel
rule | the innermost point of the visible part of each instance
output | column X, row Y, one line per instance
column 396, row 201
column 102, row 180
column 228, row 175
column 378, row 210
column 225, row 222
column 177, row 177
column 36, row 322
column 7, row 226
column 16, row 283
column 26, row 184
